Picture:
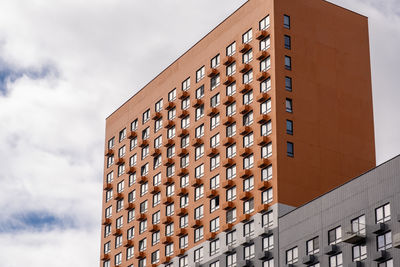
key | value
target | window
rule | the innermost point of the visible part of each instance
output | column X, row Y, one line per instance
column 157, row 179
column 158, row 125
column 231, row 89
column 264, row 23
column 290, row 149
column 267, row 196
column 312, row 246
column 110, row 161
column 231, row 130
column 184, row 201
column 131, row 215
column 120, row 187
column 199, row 212
column 156, row 217
column 111, row 143
column 289, row 107
column 266, row 151
column 358, row 225
column 265, row 85
column 335, row 236
column 133, row 160
column 155, row 238
column 143, row 206
column 215, row 100
column 110, row 177
column 266, row 128
column 214, row 141
column 142, row 262
column 135, row 124
column 231, row 260
column 248, row 206
column 198, row 192
column 231, row 49
column 107, row 230
column 169, row 229
column 184, row 181
column 132, row 179
column 146, row 133
column 214, row 121
column 248, row 118
column 266, row 106
column 122, row 135
column 270, row 263
column 198, row 254
column 171, row 170
column 120, row 205
column 247, row 57
column 248, row 97
column 172, row 95
column 265, row 43
column 247, row 36
column 186, row 84
column 109, row 194
column 214, row 204
column 146, row 116
column 384, row 241
column 359, row 252
column 169, row 249
column 268, row 243
column 118, row 241
column 170, row 190
column 231, row 151
column 145, row 152
column 214, row 182
column 107, row 247
column 200, row 73
column 215, row 81
column 388, row 263
column 248, row 229
column 171, row 114
column 199, row 171
column 248, row 140
column 214, row 264
column 199, row 112
column 231, row 172
column 199, row 131
column 248, row 162
column 266, row 173
column 336, row 260
column 131, row 233
column 287, row 42
column 231, row 238
column 118, row 259
column 200, row 92
column 292, row 255
column 231, row 215
column 142, row 244
column 214, row 247
column 286, row 21
column 382, row 214
column 198, row 234
column 231, row 109
column 214, row 225
column 265, row 64
column 171, row 151
column 199, row 152
column 183, row 261
column 268, row 219
column 132, row 196
column 289, row 127
column 155, row 257
column 185, row 122
column 183, row 241
column 248, row 184
column 144, row 170
column 231, row 69
column 288, row 63
column 214, row 162
column 184, row 221
column 288, row 84
column 185, row 103
column 215, row 61
column 248, row 77
column 249, row 252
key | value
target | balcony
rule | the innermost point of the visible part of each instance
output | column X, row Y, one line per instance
column 168, row 143
column 141, row 217
column 263, row 163
column 169, row 124
column 154, row 228
column 245, row 174
column 182, row 151
column 261, row 34
column 182, row 172
column 262, row 55
column 380, row 256
column 168, row 162
column 144, row 143
column 228, row 162
column 180, row 251
column 109, row 152
column 128, row 243
column 210, row 235
column 131, row 170
column 130, row 206
column 228, row 205
column 140, row 255
column 197, row 103
column 263, row 207
column 263, row 118
column 265, row 255
column 212, row 152
column 244, row 217
column 228, row 184
column 167, row 180
column 183, row 132
column 211, row 193
column 353, row 236
column 165, row 259
column 228, row 80
column 245, row 109
column 155, row 152
column 245, row 263
column 262, row 76
column 106, row 221
column 331, row 250
column 143, row 179
column 309, row 259
column 182, row 211
column 105, row 257
column 244, row 48
column 245, row 89
column 262, row 97
column 157, row 116
column 227, row 227
column 245, row 151
column 212, row 73
column 264, row 185
column 108, row 186
column 228, row 60
column 169, row 105
column 379, row 228
column 167, row 220
column 196, row 224
column 228, row 141
column 245, row 195
column 228, row 100
column 263, row 140
column 155, row 189
column 117, row 232
column 183, row 191
column 197, row 142
column 196, row 182
column 168, row 200
column 212, row 112
column 244, row 68
column 244, row 130
column 183, row 114
column 118, row 196
column 183, row 94
column 228, row 120
column 120, row 161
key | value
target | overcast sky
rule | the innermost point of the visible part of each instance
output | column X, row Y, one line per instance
column 65, row 65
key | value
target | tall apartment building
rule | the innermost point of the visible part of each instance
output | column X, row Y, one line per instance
column 269, row 110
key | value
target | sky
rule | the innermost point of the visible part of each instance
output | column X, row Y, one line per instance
column 65, row 65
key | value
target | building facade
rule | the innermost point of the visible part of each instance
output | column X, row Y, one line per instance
column 260, row 116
